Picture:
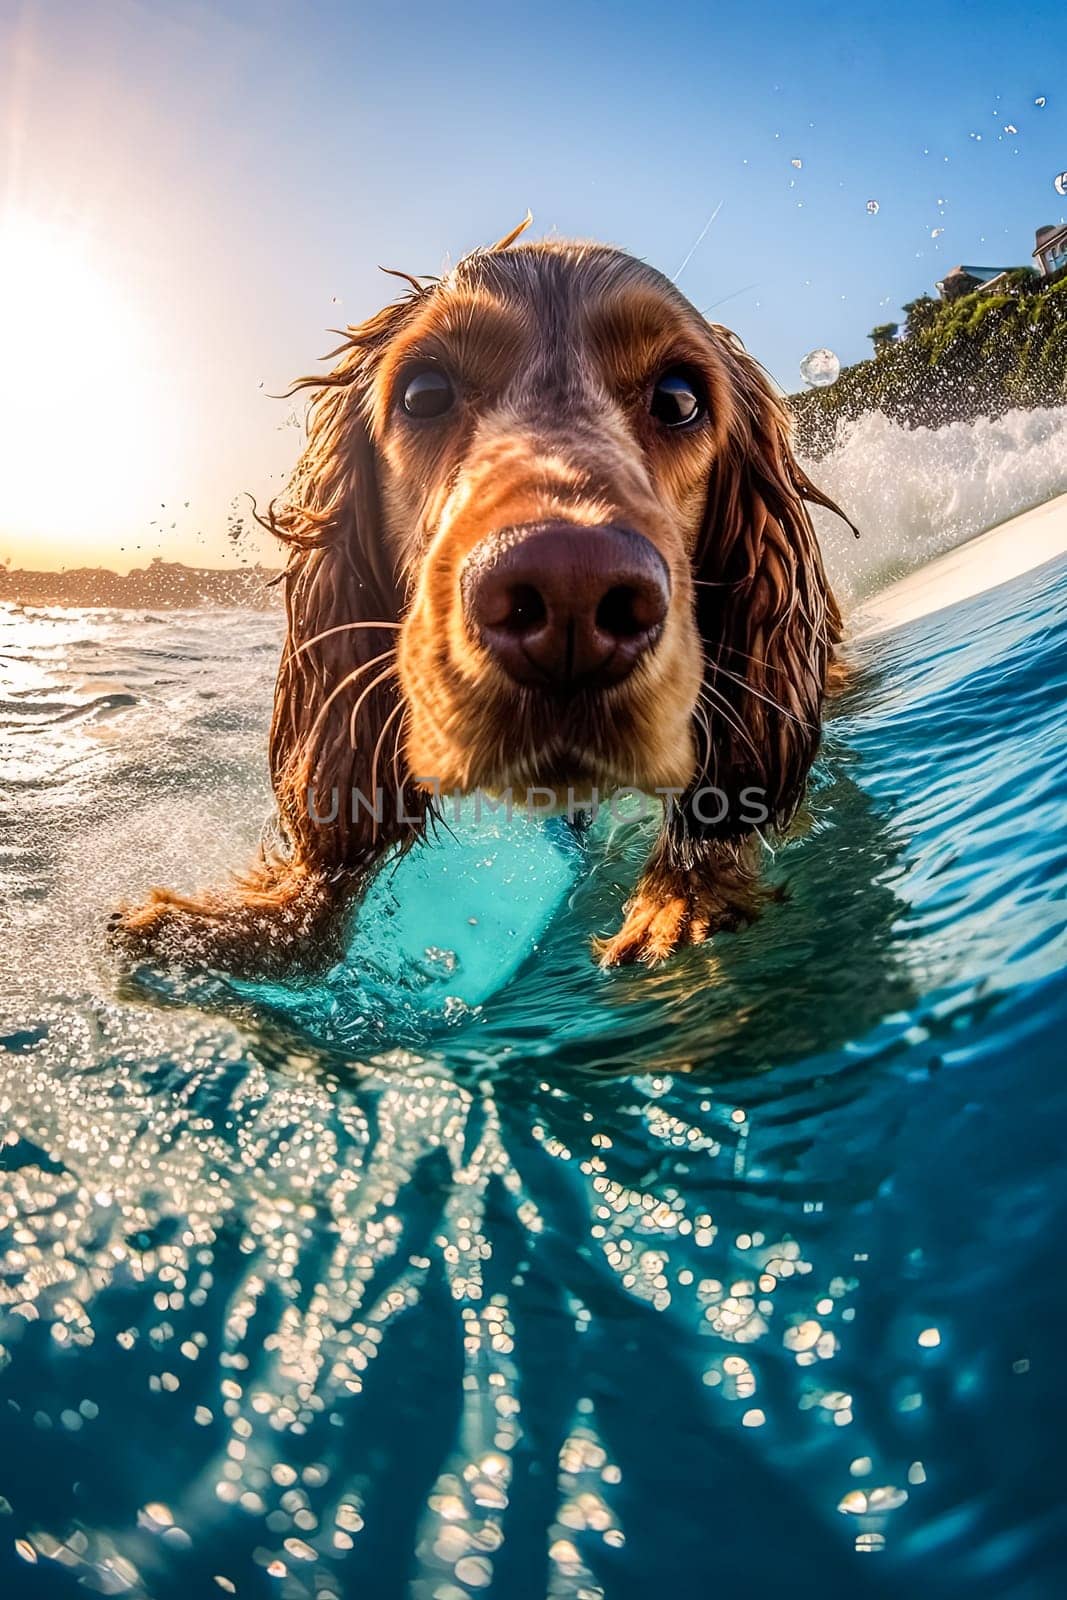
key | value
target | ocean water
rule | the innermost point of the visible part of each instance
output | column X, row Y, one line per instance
column 746, row 1273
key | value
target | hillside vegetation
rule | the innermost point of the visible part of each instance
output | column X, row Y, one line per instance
column 979, row 355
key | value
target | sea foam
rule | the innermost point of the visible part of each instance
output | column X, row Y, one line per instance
column 916, row 492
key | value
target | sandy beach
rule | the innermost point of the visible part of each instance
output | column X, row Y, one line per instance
column 989, row 559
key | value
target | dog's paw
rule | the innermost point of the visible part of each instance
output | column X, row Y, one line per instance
column 155, row 930
column 653, row 928
column 254, row 929
column 670, row 911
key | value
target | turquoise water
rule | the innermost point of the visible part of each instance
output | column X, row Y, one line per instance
column 745, row 1272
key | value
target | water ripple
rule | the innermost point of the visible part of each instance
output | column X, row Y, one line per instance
column 739, row 1272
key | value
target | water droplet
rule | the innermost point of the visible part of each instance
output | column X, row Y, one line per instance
column 1059, row 183
column 796, row 162
column 820, row 368
column 887, row 1498
column 930, row 1338
column 935, row 233
column 872, row 207
column 1009, row 127
column 564, row 1553
column 475, row 1571
column 443, row 962
column 803, row 1337
column 160, row 1514
column 1040, row 101
column 456, row 1008
column 299, row 1550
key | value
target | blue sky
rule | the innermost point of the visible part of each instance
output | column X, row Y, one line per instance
column 237, row 171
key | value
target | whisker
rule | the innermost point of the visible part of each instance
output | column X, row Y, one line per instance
column 397, row 737
column 345, row 627
column 701, row 715
column 377, row 751
column 731, row 649
column 345, row 683
column 767, row 699
column 728, row 712
column 731, row 296
column 691, row 252
column 389, row 672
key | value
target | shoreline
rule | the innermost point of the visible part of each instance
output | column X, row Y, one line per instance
column 1006, row 551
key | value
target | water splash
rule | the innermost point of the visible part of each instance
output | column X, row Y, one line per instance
column 915, row 492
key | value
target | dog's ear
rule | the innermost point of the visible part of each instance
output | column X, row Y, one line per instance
column 336, row 751
column 767, row 618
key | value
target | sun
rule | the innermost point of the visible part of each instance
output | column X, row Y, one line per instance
column 86, row 417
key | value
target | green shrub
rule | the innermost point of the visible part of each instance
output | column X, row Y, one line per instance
column 978, row 355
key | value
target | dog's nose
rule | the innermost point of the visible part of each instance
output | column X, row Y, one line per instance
column 564, row 606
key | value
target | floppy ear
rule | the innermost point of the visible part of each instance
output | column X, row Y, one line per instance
column 336, row 751
column 768, row 621
column 335, row 707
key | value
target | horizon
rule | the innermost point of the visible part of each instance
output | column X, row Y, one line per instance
column 248, row 564
column 175, row 246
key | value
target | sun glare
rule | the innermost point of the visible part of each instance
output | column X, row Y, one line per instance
column 86, row 416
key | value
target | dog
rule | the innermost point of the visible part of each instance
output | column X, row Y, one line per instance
column 548, row 530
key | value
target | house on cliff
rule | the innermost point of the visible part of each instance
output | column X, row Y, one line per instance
column 1050, row 253
column 966, row 280
column 1050, row 258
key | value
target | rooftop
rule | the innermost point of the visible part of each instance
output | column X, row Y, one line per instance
column 979, row 274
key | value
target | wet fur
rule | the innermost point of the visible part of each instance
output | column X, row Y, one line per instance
column 380, row 684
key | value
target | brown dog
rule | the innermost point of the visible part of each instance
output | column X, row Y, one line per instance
column 547, row 531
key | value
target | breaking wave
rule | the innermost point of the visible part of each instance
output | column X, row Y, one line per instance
column 916, row 492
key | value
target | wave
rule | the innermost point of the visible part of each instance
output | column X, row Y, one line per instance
column 916, row 492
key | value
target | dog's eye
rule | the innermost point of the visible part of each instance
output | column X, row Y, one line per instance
column 428, row 393
column 676, row 399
